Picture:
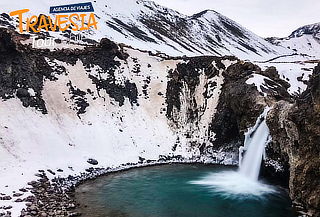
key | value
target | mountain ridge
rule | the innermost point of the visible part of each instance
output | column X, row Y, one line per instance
column 310, row 29
column 148, row 26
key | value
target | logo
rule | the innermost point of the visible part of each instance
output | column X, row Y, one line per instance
column 76, row 17
column 78, row 21
column 82, row 7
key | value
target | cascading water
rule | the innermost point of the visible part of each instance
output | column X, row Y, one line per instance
column 245, row 180
column 256, row 140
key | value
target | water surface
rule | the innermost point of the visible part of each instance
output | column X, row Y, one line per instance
column 180, row 191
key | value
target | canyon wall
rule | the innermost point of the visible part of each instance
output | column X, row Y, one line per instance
column 118, row 105
column 295, row 129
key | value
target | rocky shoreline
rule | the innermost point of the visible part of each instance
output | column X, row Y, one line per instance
column 55, row 197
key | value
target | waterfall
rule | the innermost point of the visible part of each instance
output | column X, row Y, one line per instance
column 244, row 181
column 254, row 145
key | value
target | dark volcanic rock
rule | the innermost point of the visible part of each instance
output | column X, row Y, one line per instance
column 20, row 69
column 186, row 104
column 21, row 93
column 187, row 73
column 102, row 55
column 5, row 198
column 23, row 68
column 239, row 105
column 92, row 161
column 295, row 129
column 79, row 98
column 49, row 199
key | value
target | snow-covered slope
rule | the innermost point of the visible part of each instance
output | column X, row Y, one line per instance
column 145, row 25
column 312, row 29
column 297, row 67
column 304, row 40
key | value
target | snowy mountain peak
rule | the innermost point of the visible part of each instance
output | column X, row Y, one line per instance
column 312, row 29
column 145, row 25
column 148, row 26
column 304, row 40
column 205, row 13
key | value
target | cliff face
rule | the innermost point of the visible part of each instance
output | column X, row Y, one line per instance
column 295, row 129
column 19, row 70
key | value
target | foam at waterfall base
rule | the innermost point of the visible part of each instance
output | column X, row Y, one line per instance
column 232, row 184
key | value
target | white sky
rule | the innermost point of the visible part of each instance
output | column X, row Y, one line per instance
column 263, row 17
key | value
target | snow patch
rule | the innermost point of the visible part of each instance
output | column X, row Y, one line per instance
column 259, row 81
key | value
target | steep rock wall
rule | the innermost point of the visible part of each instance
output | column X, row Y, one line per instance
column 295, row 129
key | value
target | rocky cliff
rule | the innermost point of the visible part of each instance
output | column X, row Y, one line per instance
column 295, row 129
